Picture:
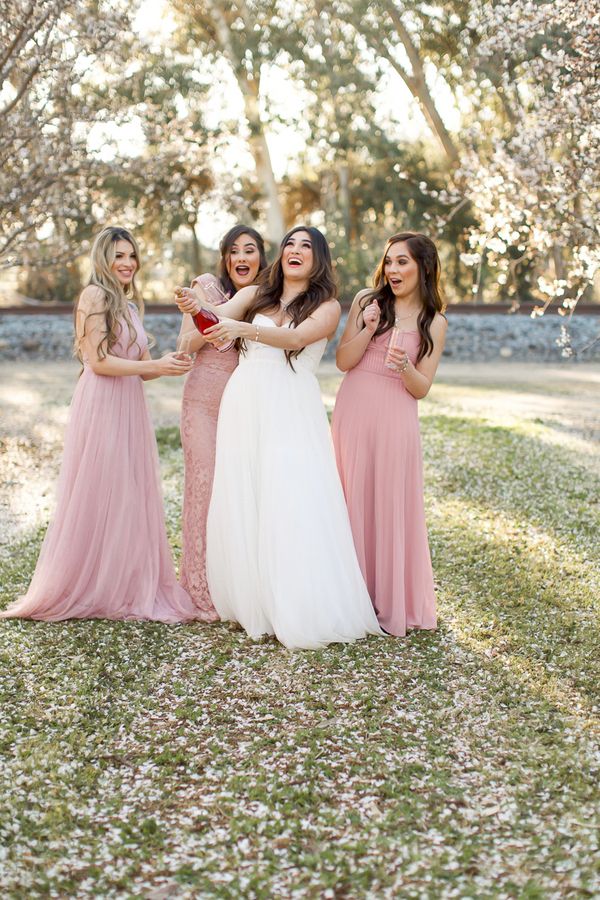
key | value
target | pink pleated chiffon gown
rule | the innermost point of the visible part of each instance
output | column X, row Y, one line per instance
column 377, row 442
column 204, row 386
column 105, row 554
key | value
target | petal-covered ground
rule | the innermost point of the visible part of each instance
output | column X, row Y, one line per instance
column 140, row 760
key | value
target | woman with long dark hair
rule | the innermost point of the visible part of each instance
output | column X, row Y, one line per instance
column 280, row 557
column 390, row 349
column 242, row 258
column 106, row 553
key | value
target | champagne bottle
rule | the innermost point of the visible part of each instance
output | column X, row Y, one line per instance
column 205, row 319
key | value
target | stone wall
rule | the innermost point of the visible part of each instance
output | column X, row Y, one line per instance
column 472, row 337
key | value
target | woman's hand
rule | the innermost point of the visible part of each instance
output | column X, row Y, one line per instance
column 189, row 300
column 371, row 315
column 399, row 359
column 228, row 330
column 171, row 364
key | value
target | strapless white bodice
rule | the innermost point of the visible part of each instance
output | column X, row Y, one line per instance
column 309, row 359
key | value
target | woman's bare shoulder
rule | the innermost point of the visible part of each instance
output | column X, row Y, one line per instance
column 246, row 294
column 439, row 324
column 205, row 279
column 361, row 295
column 91, row 300
column 329, row 307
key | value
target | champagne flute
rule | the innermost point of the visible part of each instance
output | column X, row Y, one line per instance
column 210, row 289
column 396, row 342
column 183, row 348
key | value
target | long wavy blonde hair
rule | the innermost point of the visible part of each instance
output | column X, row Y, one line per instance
column 117, row 297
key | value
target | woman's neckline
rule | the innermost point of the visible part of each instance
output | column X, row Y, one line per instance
column 403, row 331
column 283, row 324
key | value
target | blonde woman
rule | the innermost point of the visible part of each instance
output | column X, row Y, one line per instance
column 106, row 554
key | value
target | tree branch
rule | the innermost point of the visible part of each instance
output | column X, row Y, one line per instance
column 417, row 83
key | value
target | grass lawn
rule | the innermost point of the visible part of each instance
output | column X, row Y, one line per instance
column 141, row 760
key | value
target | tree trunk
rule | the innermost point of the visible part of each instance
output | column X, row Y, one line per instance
column 417, row 84
column 196, row 252
column 328, row 198
column 345, row 199
column 262, row 160
column 258, row 141
column 559, row 262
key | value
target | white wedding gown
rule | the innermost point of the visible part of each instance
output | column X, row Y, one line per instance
column 280, row 554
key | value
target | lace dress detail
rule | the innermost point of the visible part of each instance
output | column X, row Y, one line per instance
column 199, row 413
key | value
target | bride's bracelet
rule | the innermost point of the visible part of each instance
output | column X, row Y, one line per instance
column 256, row 335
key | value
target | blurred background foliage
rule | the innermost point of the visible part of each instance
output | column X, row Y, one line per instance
column 473, row 121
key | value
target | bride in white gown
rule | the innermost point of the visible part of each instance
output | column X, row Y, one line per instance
column 280, row 553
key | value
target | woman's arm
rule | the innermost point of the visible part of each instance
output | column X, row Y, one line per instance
column 418, row 379
column 189, row 300
column 321, row 323
column 146, row 358
column 361, row 325
column 162, row 366
column 91, row 330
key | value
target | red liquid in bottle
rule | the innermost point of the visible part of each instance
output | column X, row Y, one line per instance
column 204, row 319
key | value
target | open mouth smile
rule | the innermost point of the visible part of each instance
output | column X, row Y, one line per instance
column 294, row 261
column 242, row 270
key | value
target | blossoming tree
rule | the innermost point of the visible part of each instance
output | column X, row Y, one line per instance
column 532, row 173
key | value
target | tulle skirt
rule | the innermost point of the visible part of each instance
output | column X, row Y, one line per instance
column 105, row 554
column 280, row 555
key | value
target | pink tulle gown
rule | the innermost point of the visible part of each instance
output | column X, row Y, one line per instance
column 105, row 554
column 204, row 386
column 378, row 449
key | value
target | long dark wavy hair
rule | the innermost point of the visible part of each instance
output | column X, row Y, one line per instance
column 227, row 242
column 424, row 252
column 322, row 285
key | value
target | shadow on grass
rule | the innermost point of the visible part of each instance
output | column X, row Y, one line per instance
column 512, row 528
column 508, row 470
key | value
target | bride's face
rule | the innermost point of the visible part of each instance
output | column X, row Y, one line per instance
column 297, row 256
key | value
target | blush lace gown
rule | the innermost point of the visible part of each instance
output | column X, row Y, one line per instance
column 280, row 554
column 376, row 435
column 204, row 386
column 105, row 554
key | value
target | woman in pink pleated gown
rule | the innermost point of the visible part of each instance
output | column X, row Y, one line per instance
column 242, row 258
column 376, row 427
column 106, row 554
